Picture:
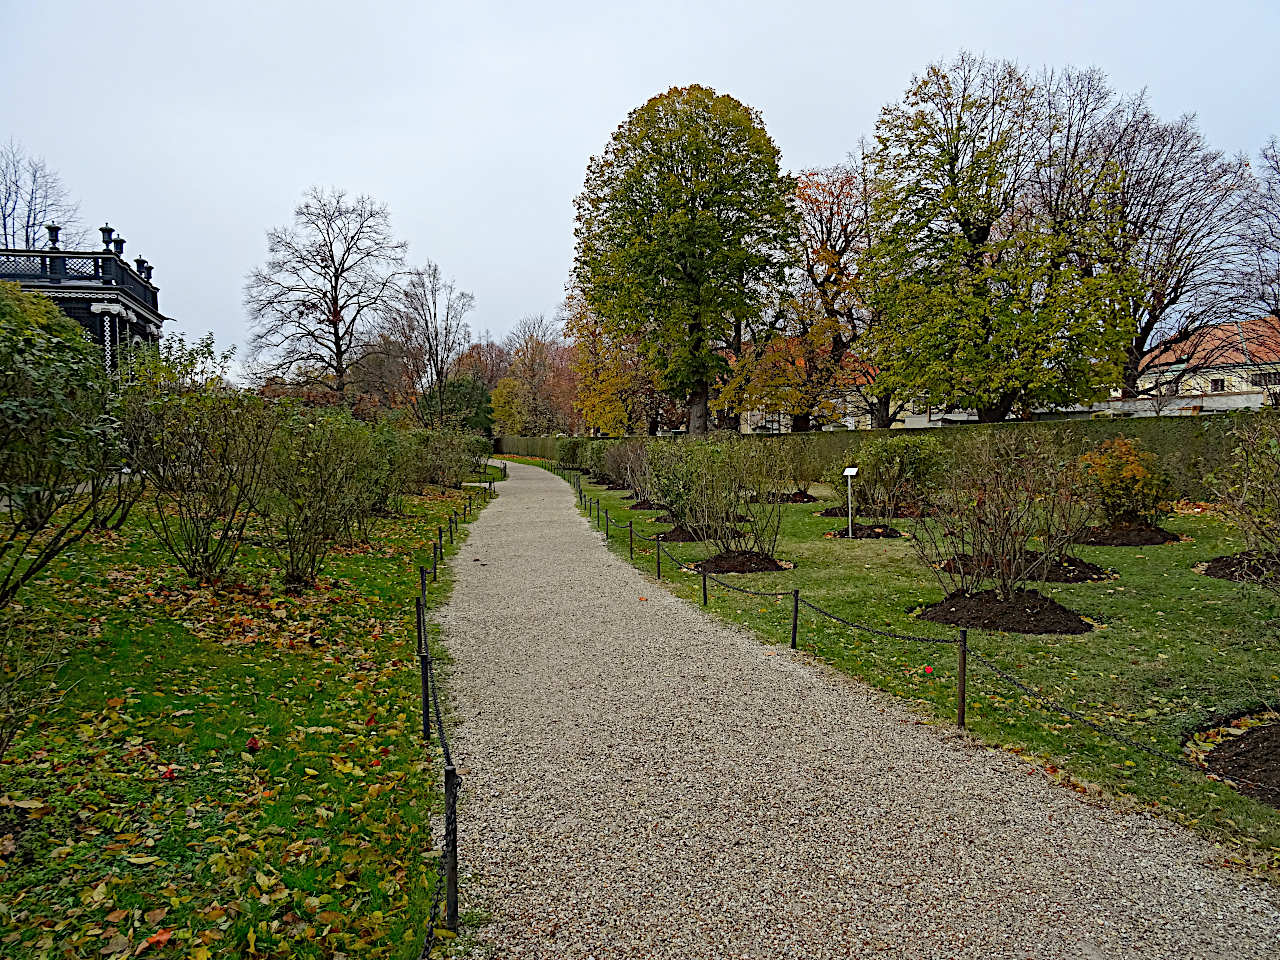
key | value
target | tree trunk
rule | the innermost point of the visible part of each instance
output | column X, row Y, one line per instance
column 996, row 413
column 881, row 413
column 652, row 425
column 1129, row 376
column 698, row 412
column 801, row 422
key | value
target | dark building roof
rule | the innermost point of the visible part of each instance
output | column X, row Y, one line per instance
column 115, row 302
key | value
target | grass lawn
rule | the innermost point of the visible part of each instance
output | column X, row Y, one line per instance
column 233, row 771
column 1173, row 652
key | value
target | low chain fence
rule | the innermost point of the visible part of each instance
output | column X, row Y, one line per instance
column 442, row 919
column 600, row 516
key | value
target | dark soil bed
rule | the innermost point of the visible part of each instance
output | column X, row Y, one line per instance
column 1244, row 567
column 1025, row 612
column 680, row 535
column 864, row 531
column 904, row 511
column 646, row 505
column 1062, row 570
column 1129, row 535
column 797, row 497
column 617, row 486
column 1253, row 756
column 739, row 561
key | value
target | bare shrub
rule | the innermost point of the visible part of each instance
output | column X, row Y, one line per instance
column 322, row 470
column 674, row 466
column 203, row 446
column 1008, row 507
column 619, row 459
column 638, row 473
column 733, row 502
column 802, row 456
column 1249, row 489
column 892, row 471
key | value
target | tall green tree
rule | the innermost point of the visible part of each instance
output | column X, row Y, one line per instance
column 999, row 300
column 683, row 225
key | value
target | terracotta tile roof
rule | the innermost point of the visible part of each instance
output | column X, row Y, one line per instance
column 1223, row 345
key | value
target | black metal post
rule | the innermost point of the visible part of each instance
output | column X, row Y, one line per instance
column 606, row 523
column 424, row 668
column 422, row 581
column 704, row 586
column 631, row 540
column 657, row 556
column 795, row 617
column 963, row 671
column 453, row 519
column 440, row 538
column 451, row 846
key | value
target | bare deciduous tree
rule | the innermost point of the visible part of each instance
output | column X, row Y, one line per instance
column 326, row 281
column 1262, row 277
column 31, row 196
column 428, row 319
column 1177, row 218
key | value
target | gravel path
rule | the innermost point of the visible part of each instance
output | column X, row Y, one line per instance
column 643, row 781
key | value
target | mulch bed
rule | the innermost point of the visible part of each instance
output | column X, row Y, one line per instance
column 740, row 561
column 1062, row 570
column 1128, row 535
column 1253, row 756
column 797, row 497
column 646, row 505
column 1244, row 567
column 1025, row 612
column 680, row 535
column 864, row 531
column 903, row 511
column 617, row 486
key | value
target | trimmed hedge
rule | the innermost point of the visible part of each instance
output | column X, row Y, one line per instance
column 1189, row 448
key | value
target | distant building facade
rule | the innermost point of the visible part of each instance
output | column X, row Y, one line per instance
column 117, row 304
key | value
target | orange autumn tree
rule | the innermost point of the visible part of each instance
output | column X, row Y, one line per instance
column 815, row 357
column 790, row 368
column 841, row 226
column 617, row 391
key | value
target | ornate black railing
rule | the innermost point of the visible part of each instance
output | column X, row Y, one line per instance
column 64, row 266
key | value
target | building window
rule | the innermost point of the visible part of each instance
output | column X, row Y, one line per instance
column 1265, row 379
column 1218, row 385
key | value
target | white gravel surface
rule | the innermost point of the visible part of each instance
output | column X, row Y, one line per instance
column 641, row 780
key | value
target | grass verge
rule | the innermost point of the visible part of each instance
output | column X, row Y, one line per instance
column 233, row 771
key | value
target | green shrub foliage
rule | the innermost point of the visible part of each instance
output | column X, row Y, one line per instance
column 203, row 446
column 322, row 473
column 60, row 446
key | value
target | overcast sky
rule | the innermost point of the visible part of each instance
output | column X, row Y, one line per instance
column 193, row 127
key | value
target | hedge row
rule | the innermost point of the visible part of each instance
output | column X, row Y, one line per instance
column 1189, row 448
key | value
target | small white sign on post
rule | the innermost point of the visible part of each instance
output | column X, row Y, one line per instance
column 849, row 474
